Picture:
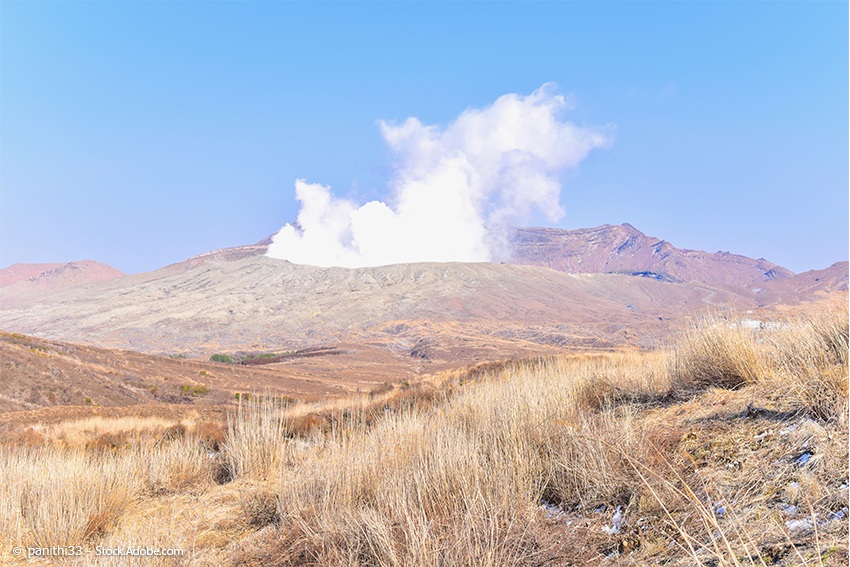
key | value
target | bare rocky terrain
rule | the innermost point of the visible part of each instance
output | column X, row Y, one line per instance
column 261, row 303
column 624, row 249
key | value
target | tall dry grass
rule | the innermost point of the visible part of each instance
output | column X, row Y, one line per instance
column 567, row 432
column 256, row 443
column 802, row 358
column 52, row 495
column 715, row 351
column 808, row 361
column 489, row 470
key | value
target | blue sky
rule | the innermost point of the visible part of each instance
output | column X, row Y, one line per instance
column 139, row 134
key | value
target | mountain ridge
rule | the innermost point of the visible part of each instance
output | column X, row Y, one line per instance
column 74, row 272
column 625, row 249
column 606, row 249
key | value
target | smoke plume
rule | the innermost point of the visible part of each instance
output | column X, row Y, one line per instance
column 454, row 191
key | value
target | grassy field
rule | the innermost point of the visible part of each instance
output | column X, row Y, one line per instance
column 730, row 447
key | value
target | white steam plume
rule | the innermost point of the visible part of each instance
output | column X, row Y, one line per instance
column 454, row 191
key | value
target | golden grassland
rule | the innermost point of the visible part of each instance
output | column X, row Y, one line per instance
column 730, row 447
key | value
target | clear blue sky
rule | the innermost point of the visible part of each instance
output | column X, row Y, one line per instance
column 141, row 133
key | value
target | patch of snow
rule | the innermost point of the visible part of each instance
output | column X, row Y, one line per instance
column 796, row 525
column 837, row 516
column 554, row 512
column 788, row 429
column 809, row 523
column 616, row 522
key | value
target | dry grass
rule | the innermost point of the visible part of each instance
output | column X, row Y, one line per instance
column 801, row 359
column 808, row 362
column 256, row 443
column 50, row 495
column 704, row 451
column 715, row 352
column 99, row 432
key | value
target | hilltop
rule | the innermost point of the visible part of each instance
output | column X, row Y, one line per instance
column 26, row 279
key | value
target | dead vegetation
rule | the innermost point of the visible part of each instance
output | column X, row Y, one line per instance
column 728, row 448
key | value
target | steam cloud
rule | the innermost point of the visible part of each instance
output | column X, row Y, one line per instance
column 454, row 192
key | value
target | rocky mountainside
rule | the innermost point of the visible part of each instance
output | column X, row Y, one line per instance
column 257, row 302
column 808, row 285
column 625, row 250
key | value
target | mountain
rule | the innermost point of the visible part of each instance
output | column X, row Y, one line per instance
column 115, row 340
column 625, row 250
column 25, row 279
column 808, row 285
column 598, row 287
column 256, row 302
column 833, row 278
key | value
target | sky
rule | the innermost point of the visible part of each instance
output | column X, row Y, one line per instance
column 139, row 134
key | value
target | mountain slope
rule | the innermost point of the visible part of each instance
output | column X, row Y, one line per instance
column 624, row 249
column 37, row 373
column 258, row 302
column 808, row 285
column 237, row 298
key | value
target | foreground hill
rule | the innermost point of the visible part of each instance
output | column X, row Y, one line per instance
column 40, row 376
column 728, row 449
